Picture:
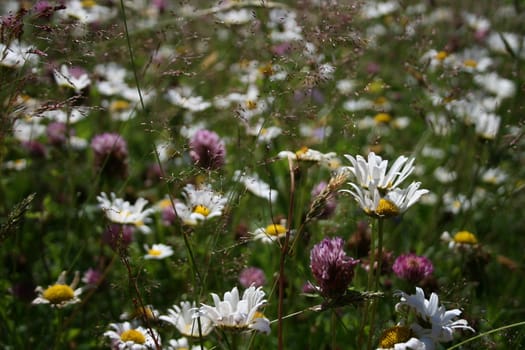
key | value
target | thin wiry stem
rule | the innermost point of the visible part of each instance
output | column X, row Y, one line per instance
column 284, row 252
column 522, row 323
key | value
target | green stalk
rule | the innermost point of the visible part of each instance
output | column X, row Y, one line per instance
column 376, row 279
column 522, row 323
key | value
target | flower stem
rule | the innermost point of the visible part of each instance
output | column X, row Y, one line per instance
column 377, row 275
column 518, row 324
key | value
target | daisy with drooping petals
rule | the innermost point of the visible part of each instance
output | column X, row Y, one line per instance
column 158, row 251
column 186, row 319
column 236, row 313
column 462, row 240
column 256, row 186
column 123, row 337
column 60, row 294
column 200, row 204
column 434, row 321
column 120, row 211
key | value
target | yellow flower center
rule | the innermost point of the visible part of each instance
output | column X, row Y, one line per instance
column 275, row 230
column 380, row 101
column 382, row 118
column 441, row 55
column 375, row 86
column 154, row 252
column 301, row 152
column 386, row 208
column 465, row 237
column 257, row 315
column 470, row 63
column 119, row 106
column 58, row 293
column 393, row 336
column 88, row 3
column 133, row 335
column 251, row 104
column 267, row 70
column 201, row 209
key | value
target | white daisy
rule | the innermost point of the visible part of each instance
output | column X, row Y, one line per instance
column 183, row 97
column 158, row 251
column 124, row 336
column 200, row 204
column 238, row 314
column 256, row 186
column 186, row 319
column 120, row 211
column 65, row 78
column 487, row 125
column 16, row 55
column 374, row 171
column 462, row 240
column 400, row 337
column 60, row 294
column 270, row 233
column 311, row 155
column 431, row 314
column 393, row 203
column 182, row 344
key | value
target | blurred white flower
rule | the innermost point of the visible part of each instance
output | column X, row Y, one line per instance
column 270, row 233
column 200, row 204
column 186, row 319
column 256, row 186
column 119, row 211
column 66, row 78
column 238, row 313
column 124, row 336
column 158, row 251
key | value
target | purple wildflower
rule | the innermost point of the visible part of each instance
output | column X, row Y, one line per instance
column 252, row 276
column 332, row 268
column 92, row 277
column 118, row 236
column 57, row 133
column 111, row 154
column 412, row 267
column 207, row 150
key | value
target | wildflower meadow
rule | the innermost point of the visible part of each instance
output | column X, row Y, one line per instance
column 252, row 174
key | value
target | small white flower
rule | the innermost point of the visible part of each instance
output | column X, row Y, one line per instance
column 158, row 251
column 238, row 313
column 16, row 55
column 256, row 186
column 329, row 159
column 186, row 319
column 124, row 336
column 182, row 97
column 270, row 233
column 65, row 78
column 120, row 211
column 493, row 83
column 60, row 294
column 487, row 125
column 431, row 314
column 494, row 176
column 200, row 204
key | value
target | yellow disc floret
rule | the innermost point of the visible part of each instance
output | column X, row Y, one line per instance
column 441, row 55
column 88, row 3
column 133, row 335
column 154, row 252
column 58, row 293
column 393, row 336
column 382, row 118
column 386, row 208
column 465, row 237
column 275, row 230
column 201, row 209
column 470, row 63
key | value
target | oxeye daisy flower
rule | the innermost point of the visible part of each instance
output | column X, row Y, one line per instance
column 270, row 233
column 434, row 321
column 141, row 313
column 238, row 314
column 74, row 78
column 59, row 294
column 392, row 204
column 256, row 186
column 186, row 318
column 462, row 240
column 373, row 171
column 124, row 336
column 306, row 154
column 200, row 204
column 332, row 269
column 158, row 251
column 399, row 338
column 120, row 211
